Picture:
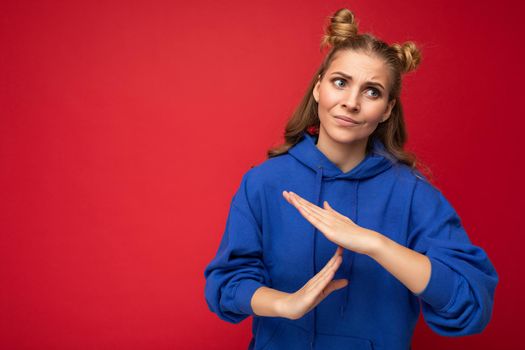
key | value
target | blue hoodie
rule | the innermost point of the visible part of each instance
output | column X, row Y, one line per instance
column 267, row 242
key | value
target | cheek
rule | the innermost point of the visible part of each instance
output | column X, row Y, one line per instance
column 327, row 99
column 375, row 113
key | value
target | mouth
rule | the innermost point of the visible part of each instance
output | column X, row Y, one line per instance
column 347, row 120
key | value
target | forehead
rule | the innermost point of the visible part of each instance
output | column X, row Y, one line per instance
column 359, row 65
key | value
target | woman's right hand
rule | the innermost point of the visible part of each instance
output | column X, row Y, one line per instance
column 296, row 305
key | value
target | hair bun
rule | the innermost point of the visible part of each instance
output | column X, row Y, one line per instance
column 409, row 55
column 342, row 27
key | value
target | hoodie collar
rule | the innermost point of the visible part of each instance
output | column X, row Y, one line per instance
column 375, row 162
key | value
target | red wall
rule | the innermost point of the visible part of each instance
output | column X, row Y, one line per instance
column 125, row 129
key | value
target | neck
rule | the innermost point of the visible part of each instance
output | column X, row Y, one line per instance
column 345, row 156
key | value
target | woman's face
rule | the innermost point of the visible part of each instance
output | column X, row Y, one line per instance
column 354, row 86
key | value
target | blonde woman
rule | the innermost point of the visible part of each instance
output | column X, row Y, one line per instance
column 335, row 239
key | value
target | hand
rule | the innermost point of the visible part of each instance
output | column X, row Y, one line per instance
column 336, row 227
column 296, row 305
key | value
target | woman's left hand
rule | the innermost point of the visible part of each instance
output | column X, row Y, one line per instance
column 335, row 226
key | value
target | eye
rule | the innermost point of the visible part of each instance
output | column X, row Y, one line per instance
column 376, row 92
column 339, row 79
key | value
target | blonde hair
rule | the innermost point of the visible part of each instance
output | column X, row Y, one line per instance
column 342, row 34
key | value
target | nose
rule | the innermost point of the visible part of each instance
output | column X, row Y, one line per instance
column 350, row 101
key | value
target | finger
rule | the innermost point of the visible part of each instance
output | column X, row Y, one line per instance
column 321, row 284
column 309, row 205
column 327, row 213
column 315, row 213
column 291, row 200
column 335, row 285
column 319, row 222
column 330, row 263
column 326, row 276
column 323, row 223
column 320, row 218
column 322, row 272
column 288, row 197
column 332, row 286
column 332, row 210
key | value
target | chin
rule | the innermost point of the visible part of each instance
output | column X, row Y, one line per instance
column 341, row 135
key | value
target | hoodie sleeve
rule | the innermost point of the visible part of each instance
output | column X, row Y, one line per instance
column 459, row 296
column 237, row 270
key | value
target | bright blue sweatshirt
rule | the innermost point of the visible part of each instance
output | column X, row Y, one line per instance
column 267, row 242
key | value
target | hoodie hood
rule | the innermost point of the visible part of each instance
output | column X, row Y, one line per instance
column 375, row 162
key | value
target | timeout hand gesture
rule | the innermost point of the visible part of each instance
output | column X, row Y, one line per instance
column 335, row 226
column 342, row 231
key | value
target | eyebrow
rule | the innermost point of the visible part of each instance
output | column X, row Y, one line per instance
column 349, row 77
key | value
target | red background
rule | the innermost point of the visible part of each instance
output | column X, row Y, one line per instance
column 126, row 127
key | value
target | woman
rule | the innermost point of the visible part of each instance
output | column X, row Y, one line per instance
column 335, row 239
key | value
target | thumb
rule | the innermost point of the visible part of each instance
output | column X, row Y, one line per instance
column 335, row 285
column 329, row 208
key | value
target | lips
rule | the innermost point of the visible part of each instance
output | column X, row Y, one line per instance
column 348, row 119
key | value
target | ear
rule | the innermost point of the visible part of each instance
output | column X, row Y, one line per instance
column 315, row 91
column 388, row 111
